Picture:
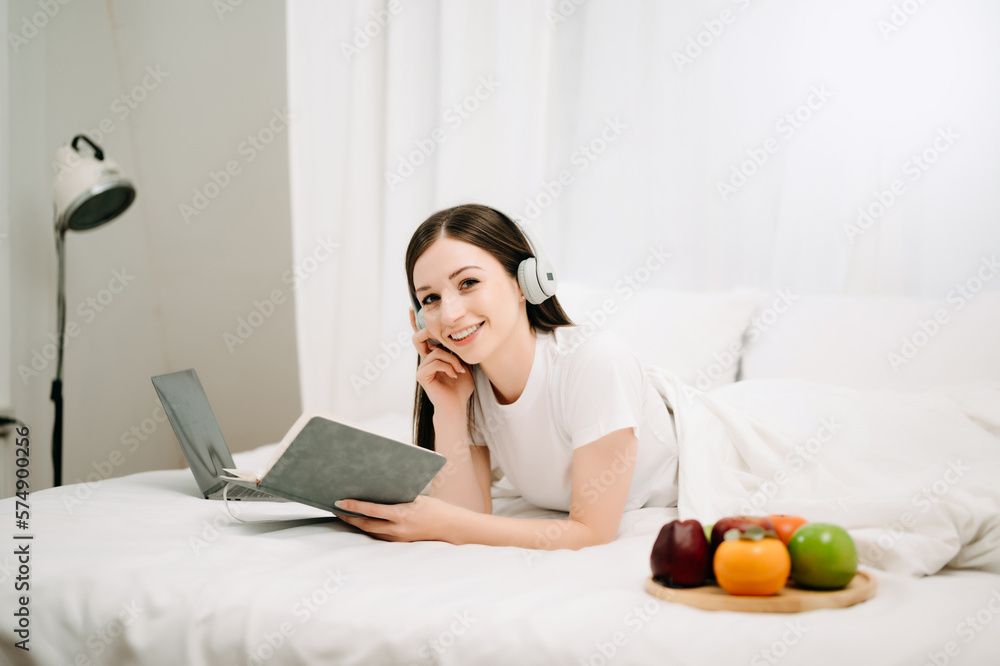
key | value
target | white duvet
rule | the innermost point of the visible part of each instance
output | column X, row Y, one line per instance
column 142, row 570
column 915, row 477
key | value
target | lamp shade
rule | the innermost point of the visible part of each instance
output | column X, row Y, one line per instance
column 90, row 189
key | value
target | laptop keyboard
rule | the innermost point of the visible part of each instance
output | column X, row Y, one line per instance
column 237, row 492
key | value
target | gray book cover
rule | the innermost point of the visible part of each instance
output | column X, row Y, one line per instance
column 323, row 460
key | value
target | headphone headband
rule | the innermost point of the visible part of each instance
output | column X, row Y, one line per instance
column 535, row 275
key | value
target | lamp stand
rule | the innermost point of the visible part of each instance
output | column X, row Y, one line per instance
column 92, row 193
column 57, row 395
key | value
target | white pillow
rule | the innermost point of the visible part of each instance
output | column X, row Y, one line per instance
column 881, row 342
column 695, row 335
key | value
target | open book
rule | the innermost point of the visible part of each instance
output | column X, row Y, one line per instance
column 322, row 459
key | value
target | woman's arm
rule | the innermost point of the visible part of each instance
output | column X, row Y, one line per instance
column 432, row 519
column 602, row 476
column 461, row 481
column 484, row 473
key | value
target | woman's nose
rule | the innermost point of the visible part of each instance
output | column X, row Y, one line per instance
column 451, row 309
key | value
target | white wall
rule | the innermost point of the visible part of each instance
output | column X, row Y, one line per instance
column 197, row 85
column 6, row 443
column 4, row 231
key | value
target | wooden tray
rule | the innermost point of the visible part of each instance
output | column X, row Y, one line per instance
column 791, row 599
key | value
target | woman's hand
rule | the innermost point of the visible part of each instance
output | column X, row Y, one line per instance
column 445, row 378
column 423, row 519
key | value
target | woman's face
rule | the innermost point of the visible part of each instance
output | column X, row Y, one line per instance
column 461, row 286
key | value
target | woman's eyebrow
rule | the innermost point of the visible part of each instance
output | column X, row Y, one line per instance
column 425, row 288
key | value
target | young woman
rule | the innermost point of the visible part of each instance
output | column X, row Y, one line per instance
column 568, row 412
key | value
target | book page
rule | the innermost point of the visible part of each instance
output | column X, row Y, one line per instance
column 242, row 475
column 286, row 441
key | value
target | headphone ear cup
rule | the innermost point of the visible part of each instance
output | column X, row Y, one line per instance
column 527, row 279
column 421, row 323
column 535, row 275
column 545, row 275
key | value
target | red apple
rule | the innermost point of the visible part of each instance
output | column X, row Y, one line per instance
column 680, row 556
column 741, row 523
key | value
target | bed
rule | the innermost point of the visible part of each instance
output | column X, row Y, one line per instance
column 140, row 569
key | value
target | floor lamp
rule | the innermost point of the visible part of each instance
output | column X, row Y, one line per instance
column 89, row 190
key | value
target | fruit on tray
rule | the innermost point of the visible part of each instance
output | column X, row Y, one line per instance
column 751, row 562
column 786, row 525
column 741, row 523
column 823, row 556
column 754, row 555
column 680, row 556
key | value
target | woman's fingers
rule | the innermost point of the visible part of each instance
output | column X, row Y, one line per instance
column 452, row 361
column 435, row 365
column 433, row 358
column 447, row 357
column 420, row 341
column 370, row 509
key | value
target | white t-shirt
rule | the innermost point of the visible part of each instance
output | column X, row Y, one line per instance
column 580, row 388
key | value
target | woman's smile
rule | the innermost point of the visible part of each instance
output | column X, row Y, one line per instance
column 467, row 335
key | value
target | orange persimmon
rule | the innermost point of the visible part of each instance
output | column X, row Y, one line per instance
column 752, row 565
column 785, row 525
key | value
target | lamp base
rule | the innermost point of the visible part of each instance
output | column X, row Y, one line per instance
column 57, row 432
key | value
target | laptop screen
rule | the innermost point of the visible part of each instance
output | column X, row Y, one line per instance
column 194, row 424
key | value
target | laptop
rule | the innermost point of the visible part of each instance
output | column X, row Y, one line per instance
column 201, row 440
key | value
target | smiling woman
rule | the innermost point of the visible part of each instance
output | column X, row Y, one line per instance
column 573, row 420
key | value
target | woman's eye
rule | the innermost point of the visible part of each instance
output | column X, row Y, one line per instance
column 427, row 298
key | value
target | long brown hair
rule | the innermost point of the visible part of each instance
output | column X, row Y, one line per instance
column 495, row 233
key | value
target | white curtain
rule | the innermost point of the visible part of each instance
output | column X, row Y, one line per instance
column 742, row 136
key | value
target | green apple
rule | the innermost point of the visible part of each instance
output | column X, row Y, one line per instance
column 824, row 556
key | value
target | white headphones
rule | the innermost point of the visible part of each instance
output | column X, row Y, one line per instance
column 535, row 275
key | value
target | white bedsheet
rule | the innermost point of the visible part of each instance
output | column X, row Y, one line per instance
column 145, row 571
